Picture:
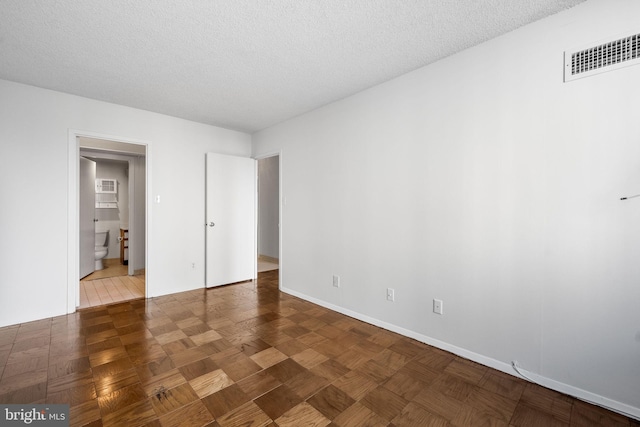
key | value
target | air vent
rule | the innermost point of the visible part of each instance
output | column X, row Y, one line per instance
column 106, row 185
column 601, row 58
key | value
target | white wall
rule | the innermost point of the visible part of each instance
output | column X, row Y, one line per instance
column 485, row 181
column 268, row 206
column 34, row 144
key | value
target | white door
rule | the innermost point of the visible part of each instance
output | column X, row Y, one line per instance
column 230, row 219
column 87, row 215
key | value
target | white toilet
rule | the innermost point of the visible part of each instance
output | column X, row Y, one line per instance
column 102, row 239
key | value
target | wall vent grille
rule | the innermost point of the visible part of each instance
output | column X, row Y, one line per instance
column 106, row 185
column 602, row 58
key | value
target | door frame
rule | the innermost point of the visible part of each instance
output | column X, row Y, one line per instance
column 99, row 154
column 281, row 205
column 73, row 218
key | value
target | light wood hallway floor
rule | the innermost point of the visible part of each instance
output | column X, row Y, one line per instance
column 249, row 355
column 111, row 285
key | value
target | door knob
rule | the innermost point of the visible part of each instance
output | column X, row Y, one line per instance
column 211, row 224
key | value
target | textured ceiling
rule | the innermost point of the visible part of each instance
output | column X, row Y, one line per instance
column 240, row 64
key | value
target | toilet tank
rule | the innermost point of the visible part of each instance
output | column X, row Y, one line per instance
column 101, row 238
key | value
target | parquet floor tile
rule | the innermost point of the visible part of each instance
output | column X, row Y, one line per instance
column 331, row 401
column 278, row 401
column 384, row 403
column 302, row 415
column 258, row 384
column 358, row 415
column 248, row 355
column 225, row 400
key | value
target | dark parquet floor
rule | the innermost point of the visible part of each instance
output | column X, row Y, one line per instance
column 249, row 355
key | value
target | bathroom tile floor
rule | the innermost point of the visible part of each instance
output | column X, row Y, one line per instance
column 249, row 355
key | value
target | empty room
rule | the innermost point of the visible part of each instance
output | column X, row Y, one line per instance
column 449, row 212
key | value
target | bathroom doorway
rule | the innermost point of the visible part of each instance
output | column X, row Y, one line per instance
column 118, row 227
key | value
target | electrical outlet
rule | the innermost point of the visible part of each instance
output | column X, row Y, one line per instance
column 437, row 306
column 391, row 294
column 336, row 281
column 193, row 265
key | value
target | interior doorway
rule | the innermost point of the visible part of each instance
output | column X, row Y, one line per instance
column 230, row 219
column 268, row 213
column 117, row 272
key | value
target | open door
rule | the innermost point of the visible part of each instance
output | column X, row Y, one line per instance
column 87, row 210
column 230, row 219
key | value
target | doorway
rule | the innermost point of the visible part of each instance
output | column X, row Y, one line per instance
column 268, row 213
column 230, row 219
column 242, row 201
column 120, row 216
column 113, row 278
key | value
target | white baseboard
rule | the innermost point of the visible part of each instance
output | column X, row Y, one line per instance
column 612, row 405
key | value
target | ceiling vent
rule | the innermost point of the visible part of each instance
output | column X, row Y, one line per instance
column 601, row 58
